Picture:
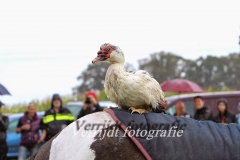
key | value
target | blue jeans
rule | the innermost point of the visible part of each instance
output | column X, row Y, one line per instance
column 25, row 152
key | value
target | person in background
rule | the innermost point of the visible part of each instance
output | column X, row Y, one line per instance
column 29, row 126
column 3, row 136
column 238, row 114
column 224, row 116
column 55, row 119
column 165, row 105
column 90, row 104
column 202, row 111
column 181, row 110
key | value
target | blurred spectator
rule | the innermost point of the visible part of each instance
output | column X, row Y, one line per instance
column 224, row 116
column 56, row 118
column 29, row 126
column 165, row 105
column 3, row 128
column 202, row 111
column 238, row 115
column 90, row 104
column 181, row 110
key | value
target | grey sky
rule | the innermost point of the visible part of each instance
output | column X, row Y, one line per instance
column 44, row 45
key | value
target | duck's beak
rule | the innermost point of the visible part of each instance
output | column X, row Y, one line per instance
column 100, row 57
column 95, row 60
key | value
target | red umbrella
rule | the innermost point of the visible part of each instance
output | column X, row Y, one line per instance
column 180, row 85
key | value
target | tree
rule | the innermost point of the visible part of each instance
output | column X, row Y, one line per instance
column 129, row 67
column 216, row 72
column 164, row 66
column 210, row 72
column 93, row 77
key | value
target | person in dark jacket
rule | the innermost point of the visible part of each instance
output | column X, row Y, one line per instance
column 224, row 116
column 3, row 136
column 56, row 118
column 29, row 126
column 202, row 112
column 238, row 114
column 181, row 110
column 90, row 104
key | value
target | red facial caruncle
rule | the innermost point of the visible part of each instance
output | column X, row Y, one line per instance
column 103, row 54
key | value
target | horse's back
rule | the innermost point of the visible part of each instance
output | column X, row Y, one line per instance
column 84, row 139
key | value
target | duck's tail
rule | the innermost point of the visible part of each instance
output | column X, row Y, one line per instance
column 159, row 108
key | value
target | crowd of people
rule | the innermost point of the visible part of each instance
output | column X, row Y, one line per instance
column 54, row 120
column 57, row 118
column 203, row 112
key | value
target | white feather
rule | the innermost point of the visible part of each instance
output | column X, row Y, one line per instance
column 136, row 89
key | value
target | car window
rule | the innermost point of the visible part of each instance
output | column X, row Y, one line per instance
column 12, row 126
column 189, row 107
column 75, row 109
column 171, row 109
column 168, row 100
column 104, row 106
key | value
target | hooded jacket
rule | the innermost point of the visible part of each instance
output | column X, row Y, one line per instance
column 226, row 117
column 54, row 122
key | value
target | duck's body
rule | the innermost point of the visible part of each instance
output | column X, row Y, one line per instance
column 138, row 89
column 132, row 89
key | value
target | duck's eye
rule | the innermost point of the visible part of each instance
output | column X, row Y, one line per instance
column 107, row 49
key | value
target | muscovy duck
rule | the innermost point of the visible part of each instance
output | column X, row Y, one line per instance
column 137, row 90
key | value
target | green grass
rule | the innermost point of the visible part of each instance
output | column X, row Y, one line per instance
column 46, row 103
column 42, row 105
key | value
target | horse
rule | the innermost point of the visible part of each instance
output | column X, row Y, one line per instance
column 107, row 135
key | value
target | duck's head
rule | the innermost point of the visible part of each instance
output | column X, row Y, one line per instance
column 110, row 53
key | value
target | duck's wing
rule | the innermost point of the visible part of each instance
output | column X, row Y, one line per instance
column 142, row 73
column 149, row 84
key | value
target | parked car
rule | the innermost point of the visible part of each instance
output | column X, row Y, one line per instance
column 76, row 106
column 210, row 101
column 13, row 139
